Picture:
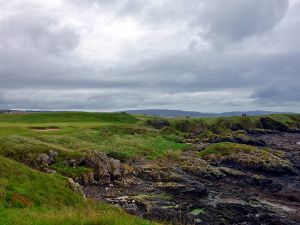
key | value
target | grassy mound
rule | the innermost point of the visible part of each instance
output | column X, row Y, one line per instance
column 26, row 149
column 130, row 141
column 245, row 156
column 31, row 197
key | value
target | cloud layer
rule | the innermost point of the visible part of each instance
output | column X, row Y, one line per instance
column 203, row 55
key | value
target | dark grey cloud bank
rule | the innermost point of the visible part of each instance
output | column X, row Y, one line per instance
column 208, row 55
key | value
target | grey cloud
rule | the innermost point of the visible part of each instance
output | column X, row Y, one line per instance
column 31, row 31
column 113, row 100
column 42, row 68
column 278, row 94
column 232, row 20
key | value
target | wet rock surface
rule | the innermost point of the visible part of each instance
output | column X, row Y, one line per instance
column 190, row 190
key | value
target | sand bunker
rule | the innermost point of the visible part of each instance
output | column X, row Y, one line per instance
column 50, row 128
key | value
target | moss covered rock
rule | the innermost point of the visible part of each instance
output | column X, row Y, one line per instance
column 245, row 156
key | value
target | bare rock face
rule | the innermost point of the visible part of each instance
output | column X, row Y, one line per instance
column 116, row 169
column 76, row 187
column 87, row 179
column 106, row 170
column 44, row 160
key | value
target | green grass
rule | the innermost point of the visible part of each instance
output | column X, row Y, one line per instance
column 68, row 171
column 225, row 148
column 31, row 197
column 58, row 117
column 197, row 212
column 132, row 141
column 38, row 188
column 24, row 148
column 94, row 214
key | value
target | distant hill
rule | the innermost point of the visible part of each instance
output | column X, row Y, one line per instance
column 4, row 110
column 167, row 113
column 180, row 113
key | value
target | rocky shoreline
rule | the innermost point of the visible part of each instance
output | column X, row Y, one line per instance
column 228, row 175
column 190, row 190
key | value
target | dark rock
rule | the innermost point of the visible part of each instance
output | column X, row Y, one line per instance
column 173, row 214
column 239, row 140
column 224, row 139
column 264, row 182
column 192, row 188
column 244, row 214
column 159, row 124
column 255, row 142
column 71, row 162
column 271, row 124
column 198, row 130
column 295, row 131
column 88, row 179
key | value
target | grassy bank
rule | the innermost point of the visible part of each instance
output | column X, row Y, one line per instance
column 31, row 197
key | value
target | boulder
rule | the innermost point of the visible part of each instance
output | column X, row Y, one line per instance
column 44, row 159
column 116, row 169
column 105, row 169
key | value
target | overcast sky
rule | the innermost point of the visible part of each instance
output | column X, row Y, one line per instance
column 106, row 55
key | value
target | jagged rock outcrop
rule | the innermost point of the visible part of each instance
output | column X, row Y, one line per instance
column 105, row 170
column 44, row 160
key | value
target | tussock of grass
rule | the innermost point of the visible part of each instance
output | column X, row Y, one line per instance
column 225, row 148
